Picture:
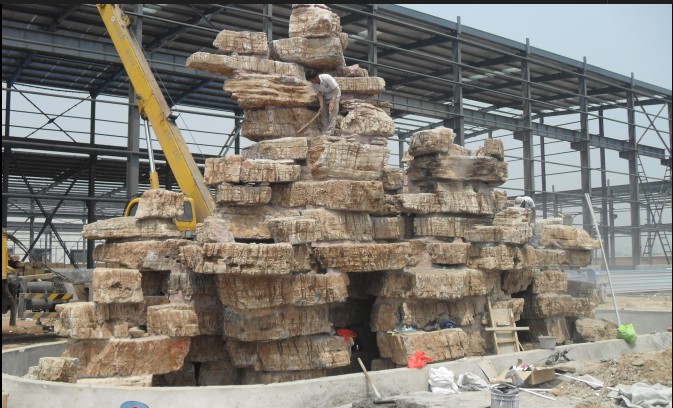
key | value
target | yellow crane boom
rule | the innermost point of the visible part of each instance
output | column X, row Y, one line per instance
column 154, row 107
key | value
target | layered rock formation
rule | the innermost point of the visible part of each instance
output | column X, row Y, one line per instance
column 315, row 233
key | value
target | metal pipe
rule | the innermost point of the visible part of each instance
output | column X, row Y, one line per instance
column 607, row 268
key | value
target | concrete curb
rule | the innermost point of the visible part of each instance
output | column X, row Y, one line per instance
column 317, row 393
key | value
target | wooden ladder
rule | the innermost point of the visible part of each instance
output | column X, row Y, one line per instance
column 503, row 326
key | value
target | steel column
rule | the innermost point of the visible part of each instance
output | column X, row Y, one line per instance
column 543, row 174
column 459, row 118
column 6, row 155
column 91, row 205
column 133, row 143
column 604, row 202
column 585, row 158
column 633, row 176
column 372, row 47
column 268, row 21
column 526, row 134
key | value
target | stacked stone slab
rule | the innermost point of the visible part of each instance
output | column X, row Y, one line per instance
column 113, row 335
column 315, row 233
column 298, row 205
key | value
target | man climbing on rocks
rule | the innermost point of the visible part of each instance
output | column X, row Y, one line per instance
column 328, row 92
column 526, row 202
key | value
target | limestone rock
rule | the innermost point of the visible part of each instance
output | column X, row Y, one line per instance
column 364, row 257
column 388, row 313
column 503, row 257
column 442, row 226
column 238, row 258
column 213, row 229
column 242, row 43
column 286, row 148
column 130, row 227
column 254, row 91
column 295, row 230
column 511, row 216
column 112, row 285
column 247, row 222
column 242, row 195
column 186, row 284
column 77, row 320
column 565, row 259
column 458, row 168
column 225, row 65
column 251, row 376
column 594, row 330
column 322, row 53
column 340, row 225
column 126, row 357
column 566, row 237
column 309, row 20
column 268, row 171
column 393, row 178
column 59, row 369
column 361, row 85
column 257, row 292
column 549, row 281
column 335, row 157
column 459, row 202
column 141, row 255
column 491, row 148
column 440, row 345
column 223, row 170
column 432, row 283
column 176, row 320
column 158, row 203
column 455, row 253
column 235, row 169
column 388, row 228
column 554, row 304
column 208, row 348
column 277, row 323
column 365, row 119
column 298, row 353
column 519, row 234
column 514, row 281
column 437, row 140
column 332, row 194
column 276, row 123
column 349, row 71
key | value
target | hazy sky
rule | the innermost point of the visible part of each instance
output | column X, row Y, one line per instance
column 621, row 38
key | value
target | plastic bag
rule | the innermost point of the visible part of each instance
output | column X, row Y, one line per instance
column 471, row 382
column 441, row 381
column 418, row 360
column 627, row 332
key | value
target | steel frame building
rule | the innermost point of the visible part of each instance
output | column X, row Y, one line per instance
column 72, row 150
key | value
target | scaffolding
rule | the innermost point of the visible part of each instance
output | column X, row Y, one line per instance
column 71, row 128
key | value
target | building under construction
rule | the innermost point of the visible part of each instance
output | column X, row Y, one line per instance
column 74, row 148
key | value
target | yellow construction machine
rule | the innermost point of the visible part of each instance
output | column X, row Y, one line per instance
column 33, row 289
column 199, row 202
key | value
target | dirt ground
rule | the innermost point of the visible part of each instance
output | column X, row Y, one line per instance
column 652, row 302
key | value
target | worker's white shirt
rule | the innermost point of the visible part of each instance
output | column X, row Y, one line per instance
column 328, row 86
column 527, row 202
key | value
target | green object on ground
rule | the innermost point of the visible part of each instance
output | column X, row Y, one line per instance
column 627, row 332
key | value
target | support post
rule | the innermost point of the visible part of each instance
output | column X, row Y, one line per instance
column 459, row 118
column 133, row 142
column 91, row 204
column 634, row 187
column 372, row 47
